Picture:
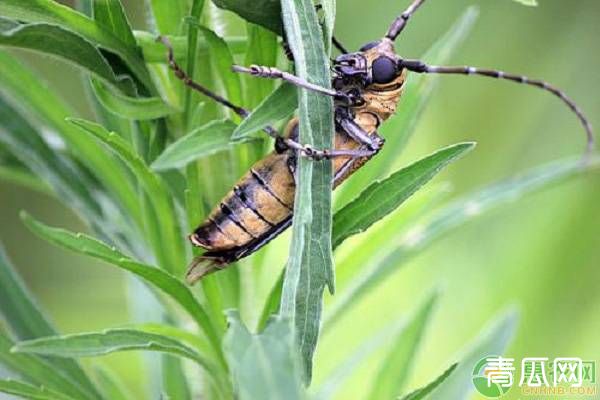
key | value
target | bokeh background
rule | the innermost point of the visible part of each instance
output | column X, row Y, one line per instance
column 541, row 254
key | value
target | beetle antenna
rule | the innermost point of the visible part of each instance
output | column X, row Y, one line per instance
column 181, row 74
column 420, row 67
column 400, row 23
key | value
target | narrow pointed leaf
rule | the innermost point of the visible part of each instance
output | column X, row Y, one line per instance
column 201, row 142
column 168, row 15
column 43, row 371
column 54, row 13
column 107, row 342
column 43, row 110
column 396, row 367
column 160, row 279
column 152, row 184
column 310, row 264
column 493, row 340
column 454, row 215
column 32, row 392
column 221, row 60
column 18, row 308
column 134, row 108
column 422, row 393
column 110, row 15
column 383, row 197
column 25, row 320
column 61, row 43
column 263, row 365
column 277, row 106
column 400, row 338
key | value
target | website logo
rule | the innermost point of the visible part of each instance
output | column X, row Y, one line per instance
column 494, row 376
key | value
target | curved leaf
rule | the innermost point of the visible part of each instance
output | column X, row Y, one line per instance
column 32, row 392
column 168, row 284
column 266, row 13
column 383, row 197
column 26, row 321
column 277, row 106
column 157, row 192
column 107, row 342
column 423, row 392
column 201, row 142
column 134, row 108
column 44, row 371
column 54, row 40
column 492, row 340
column 395, row 368
column 51, row 12
column 45, row 110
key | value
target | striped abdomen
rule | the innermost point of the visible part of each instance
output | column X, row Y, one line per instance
column 260, row 202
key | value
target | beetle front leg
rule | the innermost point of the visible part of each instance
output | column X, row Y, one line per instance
column 274, row 73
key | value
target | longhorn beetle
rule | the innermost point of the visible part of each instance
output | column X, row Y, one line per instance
column 367, row 86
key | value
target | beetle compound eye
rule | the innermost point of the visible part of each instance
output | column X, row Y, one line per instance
column 384, row 70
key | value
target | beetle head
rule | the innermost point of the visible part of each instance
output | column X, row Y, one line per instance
column 375, row 63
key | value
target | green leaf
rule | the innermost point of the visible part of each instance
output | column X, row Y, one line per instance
column 271, row 306
column 134, row 108
column 29, row 391
column 263, row 49
column 110, row 15
column 266, row 13
column 264, row 365
column 43, row 109
column 417, row 95
column 18, row 307
column 107, row 342
column 26, row 321
column 383, row 197
column 59, row 42
column 421, row 393
column 310, row 264
column 396, row 367
column 277, row 106
column 192, row 46
column 43, row 371
column 221, row 61
column 401, row 338
column 112, row 387
column 169, row 15
column 154, row 52
column 531, row 3
column 453, row 215
column 201, row 142
column 492, row 340
column 154, row 187
column 54, row 13
column 22, row 177
column 22, row 140
column 160, row 279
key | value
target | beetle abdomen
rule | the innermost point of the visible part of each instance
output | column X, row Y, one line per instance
column 262, row 198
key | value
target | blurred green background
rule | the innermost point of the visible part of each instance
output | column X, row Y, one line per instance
column 541, row 254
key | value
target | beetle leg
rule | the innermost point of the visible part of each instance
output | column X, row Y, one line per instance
column 187, row 80
column 347, row 123
column 274, row 73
